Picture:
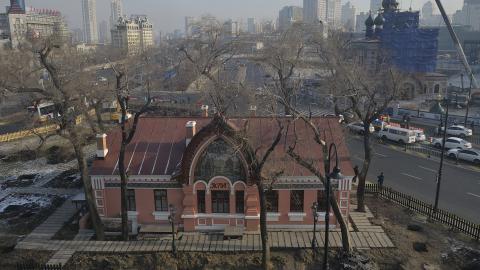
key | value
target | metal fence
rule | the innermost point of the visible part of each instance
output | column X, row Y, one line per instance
column 467, row 227
column 26, row 133
column 37, row 266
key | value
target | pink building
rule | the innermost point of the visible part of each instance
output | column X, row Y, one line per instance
column 194, row 164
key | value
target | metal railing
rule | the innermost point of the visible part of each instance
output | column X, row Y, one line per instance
column 37, row 266
column 467, row 227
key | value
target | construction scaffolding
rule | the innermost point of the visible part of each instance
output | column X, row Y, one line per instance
column 411, row 48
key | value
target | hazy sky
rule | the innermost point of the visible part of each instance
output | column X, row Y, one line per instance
column 168, row 15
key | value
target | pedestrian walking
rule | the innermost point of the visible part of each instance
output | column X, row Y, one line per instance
column 472, row 125
column 357, row 173
column 380, row 179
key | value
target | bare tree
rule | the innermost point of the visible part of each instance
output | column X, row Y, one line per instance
column 128, row 129
column 366, row 89
column 281, row 59
column 66, row 75
column 208, row 54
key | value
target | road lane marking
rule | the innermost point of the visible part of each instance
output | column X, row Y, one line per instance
column 475, row 195
column 428, row 169
column 382, row 155
column 414, row 177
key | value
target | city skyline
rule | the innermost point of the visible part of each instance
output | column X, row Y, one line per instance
column 168, row 16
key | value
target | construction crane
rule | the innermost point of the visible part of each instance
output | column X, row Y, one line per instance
column 458, row 46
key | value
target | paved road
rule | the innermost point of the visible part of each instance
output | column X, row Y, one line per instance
column 414, row 175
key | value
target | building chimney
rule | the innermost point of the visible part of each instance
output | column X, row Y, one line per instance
column 102, row 149
column 191, row 130
column 204, row 110
column 253, row 110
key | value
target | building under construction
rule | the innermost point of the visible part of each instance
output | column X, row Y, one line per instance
column 410, row 48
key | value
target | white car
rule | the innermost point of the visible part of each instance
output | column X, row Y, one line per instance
column 357, row 127
column 419, row 136
column 452, row 143
column 470, row 155
column 459, row 131
column 397, row 134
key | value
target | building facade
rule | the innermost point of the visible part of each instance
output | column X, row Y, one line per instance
column 196, row 166
column 288, row 16
column 19, row 25
column 104, row 34
column 89, row 19
column 314, row 11
column 349, row 17
column 469, row 14
column 333, row 15
column 375, row 5
column 133, row 36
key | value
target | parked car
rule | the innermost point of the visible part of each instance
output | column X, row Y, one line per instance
column 459, row 131
column 397, row 134
column 452, row 143
column 470, row 155
column 357, row 127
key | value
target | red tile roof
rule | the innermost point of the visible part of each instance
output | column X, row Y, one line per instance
column 159, row 144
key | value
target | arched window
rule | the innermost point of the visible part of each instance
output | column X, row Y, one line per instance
column 220, row 159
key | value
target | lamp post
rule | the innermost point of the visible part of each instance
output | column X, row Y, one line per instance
column 171, row 219
column 315, row 220
column 334, row 175
column 439, row 175
column 468, row 99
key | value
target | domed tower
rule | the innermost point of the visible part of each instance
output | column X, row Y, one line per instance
column 379, row 20
column 369, row 23
column 390, row 5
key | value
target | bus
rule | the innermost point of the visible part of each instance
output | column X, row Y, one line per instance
column 397, row 134
column 43, row 111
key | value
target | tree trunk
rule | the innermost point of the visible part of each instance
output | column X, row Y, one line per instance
column 363, row 174
column 123, row 192
column 98, row 114
column 87, row 185
column 341, row 221
column 266, row 265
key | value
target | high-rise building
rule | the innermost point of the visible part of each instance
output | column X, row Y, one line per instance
column 104, row 32
column 189, row 25
column 134, row 35
column 289, row 15
column 375, row 5
column 348, row 17
column 469, row 14
column 89, row 15
column 77, row 36
column 116, row 12
column 360, row 21
column 428, row 17
column 231, row 28
column 251, row 26
column 334, row 13
column 311, row 11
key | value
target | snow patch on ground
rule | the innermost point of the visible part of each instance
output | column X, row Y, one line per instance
column 38, row 166
column 40, row 200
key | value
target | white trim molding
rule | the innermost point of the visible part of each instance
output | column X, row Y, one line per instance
column 215, row 215
column 163, row 216
column 273, row 216
column 253, row 217
column 296, row 216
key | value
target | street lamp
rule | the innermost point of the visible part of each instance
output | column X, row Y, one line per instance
column 171, row 219
column 439, row 175
column 334, row 175
column 315, row 220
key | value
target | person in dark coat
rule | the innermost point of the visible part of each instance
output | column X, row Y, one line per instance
column 357, row 173
column 380, row 179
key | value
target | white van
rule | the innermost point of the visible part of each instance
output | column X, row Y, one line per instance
column 401, row 135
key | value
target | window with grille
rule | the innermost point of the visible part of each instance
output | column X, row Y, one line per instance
column 161, row 201
column 271, row 197
column 296, row 201
column 322, row 204
column 131, row 200
column 239, row 202
column 201, row 201
column 220, row 201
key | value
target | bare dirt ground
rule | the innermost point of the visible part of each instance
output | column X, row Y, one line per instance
column 446, row 249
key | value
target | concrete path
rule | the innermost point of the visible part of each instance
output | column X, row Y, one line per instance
column 53, row 224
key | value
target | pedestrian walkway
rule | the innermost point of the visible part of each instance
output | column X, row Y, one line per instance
column 189, row 242
column 53, row 224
